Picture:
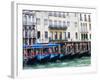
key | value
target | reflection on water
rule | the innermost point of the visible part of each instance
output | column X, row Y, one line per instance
column 78, row 62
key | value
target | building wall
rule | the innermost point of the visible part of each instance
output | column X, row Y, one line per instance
column 73, row 26
column 85, row 27
column 42, row 27
column 76, row 28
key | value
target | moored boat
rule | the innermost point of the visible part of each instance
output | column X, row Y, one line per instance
column 53, row 57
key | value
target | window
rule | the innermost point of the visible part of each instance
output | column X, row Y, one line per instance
column 90, row 36
column 85, row 19
column 68, row 34
column 59, row 14
column 76, row 35
column 83, row 24
column 67, row 13
column 60, row 35
column 29, row 32
column 64, row 24
column 75, row 14
column 25, row 19
column 50, row 13
column 86, row 36
column 89, row 19
column 89, row 26
column 55, row 14
column 51, row 35
column 46, row 34
column 50, row 22
column 63, row 15
column 31, row 18
column 29, row 41
column 85, row 27
column 80, row 17
column 29, row 27
column 81, row 27
column 26, row 41
column 68, row 23
column 64, row 35
column 33, row 33
column 56, row 35
column 38, row 21
column 55, row 22
column 26, row 33
column 75, row 24
column 59, row 23
column 38, row 34
column 81, row 36
column 45, row 22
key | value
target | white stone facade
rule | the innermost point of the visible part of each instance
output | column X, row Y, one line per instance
column 63, row 26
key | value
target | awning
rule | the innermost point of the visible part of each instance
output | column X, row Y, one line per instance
column 52, row 44
column 39, row 45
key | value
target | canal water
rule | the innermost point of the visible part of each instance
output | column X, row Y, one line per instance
column 76, row 62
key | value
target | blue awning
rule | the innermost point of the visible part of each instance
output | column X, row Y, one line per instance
column 39, row 45
column 53, row 44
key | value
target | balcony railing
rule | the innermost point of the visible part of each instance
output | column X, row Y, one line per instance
column 28, row 23
column 29, row 35
column 58, row 27
column 58, row 40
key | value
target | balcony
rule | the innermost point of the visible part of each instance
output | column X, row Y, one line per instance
column 28, row 23
column 29, row 35
column 57, row 27
column 58, row 40
column 34, row 36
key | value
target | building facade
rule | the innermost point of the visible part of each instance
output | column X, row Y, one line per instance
column 54, row 26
